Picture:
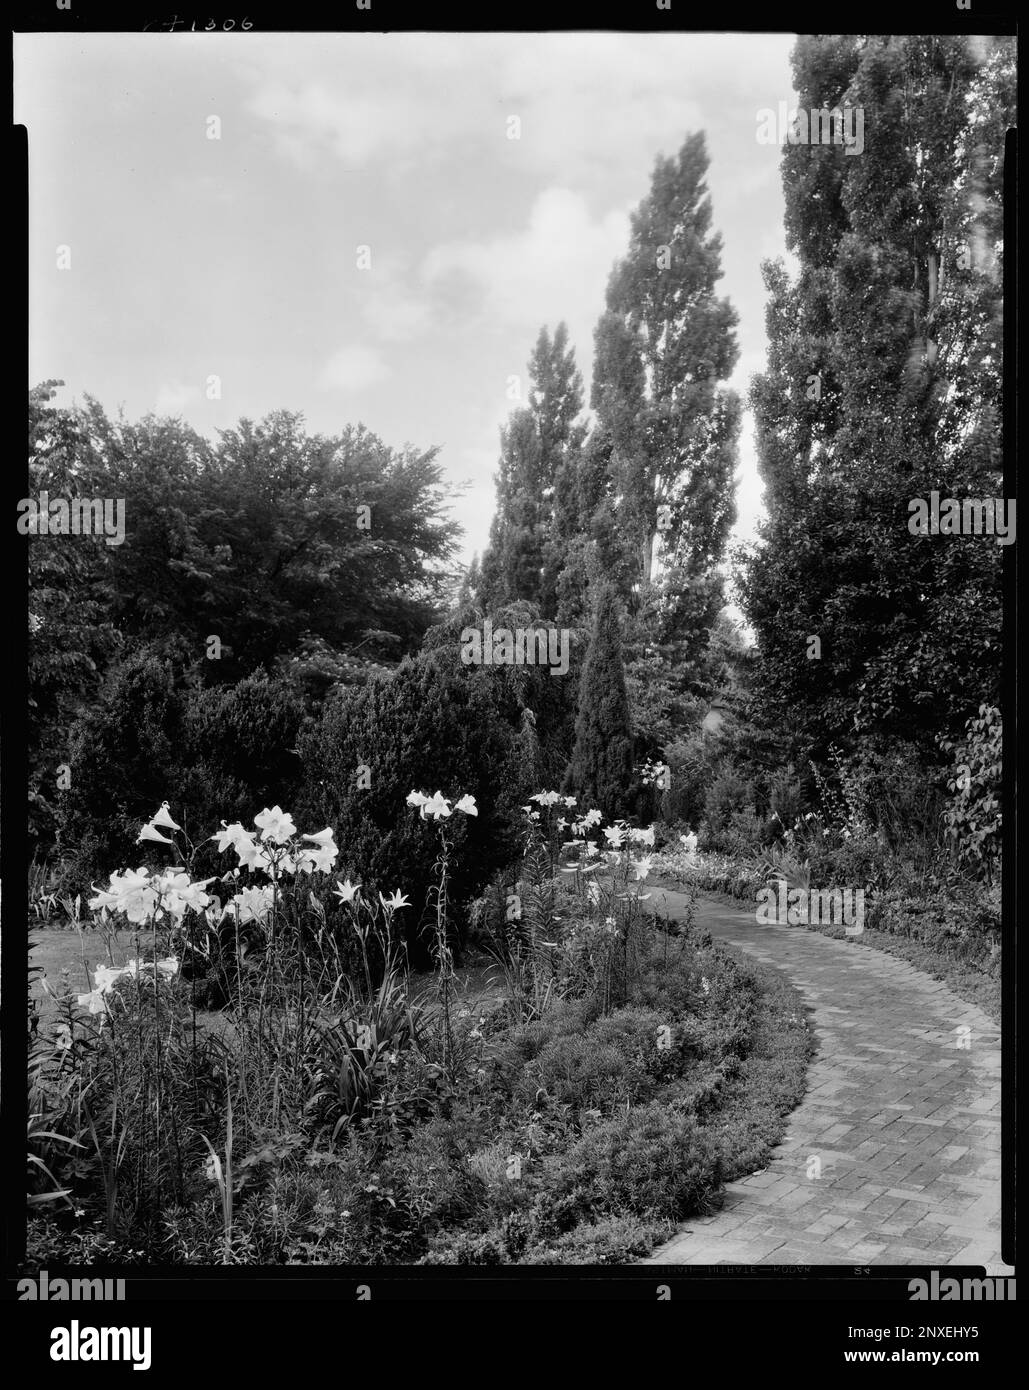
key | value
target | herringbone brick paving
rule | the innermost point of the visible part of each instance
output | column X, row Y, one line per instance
column 893, row 1156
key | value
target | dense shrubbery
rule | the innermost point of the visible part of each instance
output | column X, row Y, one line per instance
column 331, row 1119
column 876, row 824
column 973, row 813
column 222, row 748
column 424, row 726
column 541, row 706
column 315, row 558
column 691, row 772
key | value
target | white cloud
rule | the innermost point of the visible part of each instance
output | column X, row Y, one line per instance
column 602, row 103
column 353, row 369
column 556, row 268
column 396, row 316
column 174, row 396
column 310, row 119
column 392, row 306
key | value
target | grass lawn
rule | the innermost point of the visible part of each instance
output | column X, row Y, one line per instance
column 59, row 949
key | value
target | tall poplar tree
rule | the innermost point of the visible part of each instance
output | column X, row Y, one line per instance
column 664, row 349
column 884, row 384
column 534, row 516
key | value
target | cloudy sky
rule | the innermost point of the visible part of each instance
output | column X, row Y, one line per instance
column 236, row 257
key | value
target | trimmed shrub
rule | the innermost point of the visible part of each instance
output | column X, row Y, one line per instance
column 584, row 1072
column 651, row 1161
column 422, row 728
column 123, row 751
column 217, row 753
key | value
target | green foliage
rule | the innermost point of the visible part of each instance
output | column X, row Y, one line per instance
column 731, row 822
column 535, row 515
column 973, row 815
column 315, row 668
column 601, row 769
column 729, row 792
column 540, row 706
column 651, row 1161
column 423, row 728
column 122, row 750
column 899, row 792
column 744, row 830
column 691, row 770
column 261, row 536
column 666, row 424
column 884, row 384
column 611, row 1240
column 134, row 1097
column 53, row 1239
column 951, row 920
column 238, row 752
column 71, row 635
column 152, row 734
column 277, row 543
column 584, row 1072
column 314, row 1145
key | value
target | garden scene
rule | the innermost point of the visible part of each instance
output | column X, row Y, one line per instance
column 624, row 891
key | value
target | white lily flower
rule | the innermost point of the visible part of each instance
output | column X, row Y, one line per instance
column 275, row 825
column 347, row 891
column 436, row 806
column 149, row 833
column 93, row 1001
column 230, row 835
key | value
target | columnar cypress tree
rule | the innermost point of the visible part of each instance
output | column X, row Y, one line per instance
column 601, row 771
column 883, row 384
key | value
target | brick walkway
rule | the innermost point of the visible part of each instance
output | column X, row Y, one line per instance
column 893, row 1156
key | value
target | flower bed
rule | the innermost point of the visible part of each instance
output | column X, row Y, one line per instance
column 337, row 1119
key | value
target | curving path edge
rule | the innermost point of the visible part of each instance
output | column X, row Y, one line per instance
column 893, row 1155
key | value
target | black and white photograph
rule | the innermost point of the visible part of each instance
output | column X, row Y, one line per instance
column 517, row 530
